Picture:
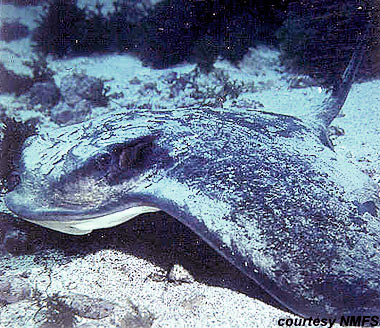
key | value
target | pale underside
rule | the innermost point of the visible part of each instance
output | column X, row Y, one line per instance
column 75, row 227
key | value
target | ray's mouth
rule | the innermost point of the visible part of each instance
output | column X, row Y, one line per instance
column 82, row 227
column 74, row 222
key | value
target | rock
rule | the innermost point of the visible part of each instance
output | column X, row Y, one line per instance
column 10, row 31
column 135, row 318
column 66, row 114
column 45, row 93
column 135, row 81
column 13, row 289
column 178, row 274
column 301, row 82
column 77, row 87
column 88, row 307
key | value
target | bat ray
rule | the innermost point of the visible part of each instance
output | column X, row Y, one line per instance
column 265, row 190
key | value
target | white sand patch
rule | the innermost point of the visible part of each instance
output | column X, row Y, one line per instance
column 360, row 120
column 121, row 278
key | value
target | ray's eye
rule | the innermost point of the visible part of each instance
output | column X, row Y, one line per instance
column 134, row 155
column 123, row 161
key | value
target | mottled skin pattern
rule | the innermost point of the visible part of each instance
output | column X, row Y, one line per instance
column 261, row 189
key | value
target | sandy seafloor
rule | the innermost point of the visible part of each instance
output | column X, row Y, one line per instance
column 127, row 264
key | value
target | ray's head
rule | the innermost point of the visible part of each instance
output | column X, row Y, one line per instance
column 74, row 182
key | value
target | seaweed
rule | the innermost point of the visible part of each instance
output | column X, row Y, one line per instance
column 319, row 36
column 174, row 28
column 56, row 312
column 61, row 29
column 125, row 24
column 14, row 134
column 98, row 33
column 205, row 53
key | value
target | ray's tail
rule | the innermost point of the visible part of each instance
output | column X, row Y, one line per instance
column 332, row 106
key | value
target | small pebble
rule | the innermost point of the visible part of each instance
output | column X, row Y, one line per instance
column 178, row 274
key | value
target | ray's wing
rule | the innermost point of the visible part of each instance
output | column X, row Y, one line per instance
column 285, row 210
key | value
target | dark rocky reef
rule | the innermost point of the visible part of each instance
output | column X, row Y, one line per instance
column 10, row 82
column 315, row 37
column 180, row 30
column 18, row 84
column 168, row 33
column 10, row 31
column 67, row 30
